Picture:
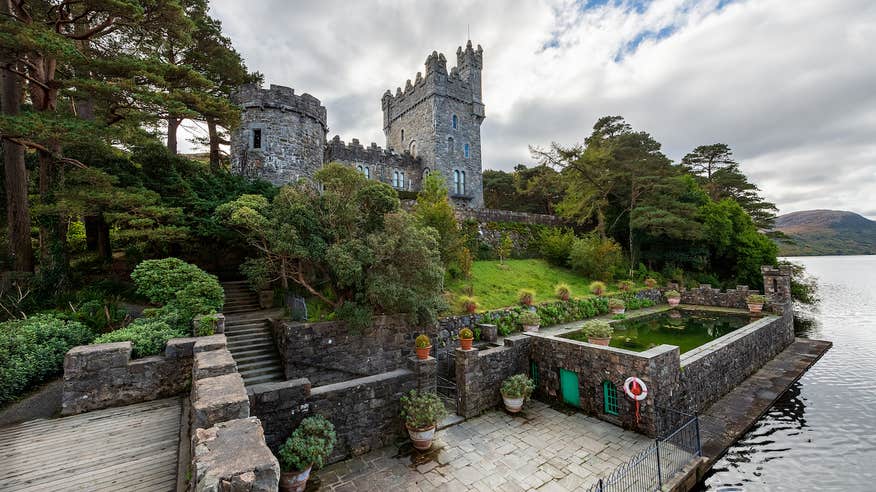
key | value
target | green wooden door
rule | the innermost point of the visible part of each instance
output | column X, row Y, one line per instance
column 569, row 388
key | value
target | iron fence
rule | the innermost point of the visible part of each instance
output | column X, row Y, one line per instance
column 661, row 460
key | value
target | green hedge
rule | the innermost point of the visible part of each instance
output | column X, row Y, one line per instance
column 148, row 336
column 559, row 312
column 32, row 351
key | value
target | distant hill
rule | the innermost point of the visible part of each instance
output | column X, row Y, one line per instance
column 826, row 232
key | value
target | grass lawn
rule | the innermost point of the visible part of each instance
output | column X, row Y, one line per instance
column 495, row 288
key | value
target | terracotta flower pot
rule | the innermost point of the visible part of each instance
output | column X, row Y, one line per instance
column 599, row 341
column 674, row 301
column 513, row 405
column 470, row 308
column 465, row 343
column 755, row 308
column 423, row 353
column 294, row 481
column 531, row 328
column 618, row 310
column 421, row 438
column 564, row 297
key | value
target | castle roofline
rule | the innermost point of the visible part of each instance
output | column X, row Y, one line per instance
column 282, row 98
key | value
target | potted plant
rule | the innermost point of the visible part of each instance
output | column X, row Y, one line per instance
column 209, row 324
column 308, row 447
column 625, row 285
column 526, row 296
column 530, row 320
column 597, row 288
column 466, row 337
column 650, row 283
column 421, row 412
column 617, row 306
column 563, row 292
column 598, row 332
column 469, row 304
column 755, row 302
column 423, row 346
column 515, row 391
column 673, row 297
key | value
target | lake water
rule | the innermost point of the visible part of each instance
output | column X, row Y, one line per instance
column 821, row 434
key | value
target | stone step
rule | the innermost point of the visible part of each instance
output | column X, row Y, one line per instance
column 243, row 302
column 263, row 378
column 238, row 338
column 240, row 309
column 246, row 367
column 263, row 330
column 248, row 373
column 254, row 355
column 250, row 344
column 244, row 324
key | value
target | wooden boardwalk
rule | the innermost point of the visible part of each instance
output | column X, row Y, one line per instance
column 132, row 448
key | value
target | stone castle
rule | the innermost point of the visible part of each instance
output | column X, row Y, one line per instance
column 434, row 124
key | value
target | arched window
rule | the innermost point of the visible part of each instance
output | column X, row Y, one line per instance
column 395, row 177
column 456, row 182
column 454, row 122
column 360, row 169
column 466, row 150
column 462, row 182
column 367, row 173
column 403, row 136
column 609, row 398
column 401, row 180
column 413, row 148
column 449, row 145
column 256, row 141
column 425, row 172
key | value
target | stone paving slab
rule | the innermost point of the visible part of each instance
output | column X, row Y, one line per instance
column 540, row 449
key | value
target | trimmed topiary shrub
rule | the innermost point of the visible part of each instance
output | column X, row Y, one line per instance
column 148, row 336
column 32, row 351
column 310, row 444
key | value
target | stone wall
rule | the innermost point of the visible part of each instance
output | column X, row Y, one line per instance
column 479, row 373
column 232, row 457
column 705, row 295
column 364, row 411
column 377, row 163
column 495, row 215
column 104, row 375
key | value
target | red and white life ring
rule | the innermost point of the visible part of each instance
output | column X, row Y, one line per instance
column 635, row 388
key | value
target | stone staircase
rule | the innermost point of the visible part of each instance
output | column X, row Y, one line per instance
column 249, row 336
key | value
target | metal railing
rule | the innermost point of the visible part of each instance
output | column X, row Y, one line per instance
column 661, row 460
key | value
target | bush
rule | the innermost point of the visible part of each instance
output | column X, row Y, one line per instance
column 597, row 328
column 310, row 444
column 179, row 286
column 526, row 296
column 672, row 294
column 466, row 334
column 755, row 299
column 422, row 410
column 148, row 336
column 650, row 283
column 518, row 386
column 423, row 341
column 614, row 303
column 469, row 304
column 625, row 285
column 596, row 257
column 563, row 292
column 597, row 288
column 529, row 318
column 555, row 244
column 32, row 351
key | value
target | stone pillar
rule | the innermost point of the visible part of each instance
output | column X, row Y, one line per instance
column 489, row 333
column 777, row 284
column 426, row 373
column 466, row 382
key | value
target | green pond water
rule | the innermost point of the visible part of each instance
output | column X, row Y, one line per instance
column 685, row 328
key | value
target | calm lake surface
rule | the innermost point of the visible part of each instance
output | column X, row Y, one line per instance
column 821, row 434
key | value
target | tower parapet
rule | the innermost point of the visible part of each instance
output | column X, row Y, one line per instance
column 377, row 163
column 282, row 98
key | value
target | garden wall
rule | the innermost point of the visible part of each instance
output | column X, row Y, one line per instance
column 479, row 373
column 364, row 411
column 103, row 375
column 496, row 215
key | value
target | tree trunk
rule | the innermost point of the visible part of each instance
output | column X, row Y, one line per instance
column 214, row 144
column 17, row 207
column 172, row 126
column 97, row 236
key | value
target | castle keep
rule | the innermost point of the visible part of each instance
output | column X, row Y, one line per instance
column 434, row 124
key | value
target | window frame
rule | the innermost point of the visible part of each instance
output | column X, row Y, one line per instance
column 610, row 401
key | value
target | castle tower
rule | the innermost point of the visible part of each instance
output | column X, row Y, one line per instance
column 282, row 136
column 438, row 119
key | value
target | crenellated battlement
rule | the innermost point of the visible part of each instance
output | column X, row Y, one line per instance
column 282, row 98
column 355, row 152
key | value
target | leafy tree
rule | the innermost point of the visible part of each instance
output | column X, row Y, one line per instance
column 596, row 257
column 349, row 246
column 720, row 176
column 433, row 209
column 504, row 248
column 737, row 249
column 499, row 190
column 541, row 187
column 555, row 243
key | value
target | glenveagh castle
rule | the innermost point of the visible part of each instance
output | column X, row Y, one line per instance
column 434, row 124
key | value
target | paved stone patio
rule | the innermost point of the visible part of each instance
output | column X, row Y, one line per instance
column 542, row 449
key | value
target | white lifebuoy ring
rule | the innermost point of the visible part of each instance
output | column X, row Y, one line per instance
column 629, row 390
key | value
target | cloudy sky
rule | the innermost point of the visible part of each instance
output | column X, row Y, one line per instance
column 789, row 85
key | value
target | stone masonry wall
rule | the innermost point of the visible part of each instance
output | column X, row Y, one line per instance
column 376, row 163
column 103, row 375
column 479, row 373
column 496, row 215
column 364, row 411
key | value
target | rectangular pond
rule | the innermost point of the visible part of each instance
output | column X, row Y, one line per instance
column 686, row 328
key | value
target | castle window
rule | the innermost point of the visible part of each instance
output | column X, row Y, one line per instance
column 455, row 122
column 256, row 138
column 413, row 149
column 401, row 180
column 395, row 179
column 466, row 150
column 360, row 169
column 450, row 145
column 367, row 173
column 403, row 136
column 459, row 182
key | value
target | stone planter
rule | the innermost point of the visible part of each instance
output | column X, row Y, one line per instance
column 513, row 405
column 423, row 352
column 489, row 333
column 531, row 328
column 674, row 301
column 599, row 341
column 421, row 438
column 266, row 299
column 294, row 481
column 755, row 308
column 465, row 343
column 618, row 310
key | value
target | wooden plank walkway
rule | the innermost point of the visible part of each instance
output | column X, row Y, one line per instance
column 131, row 448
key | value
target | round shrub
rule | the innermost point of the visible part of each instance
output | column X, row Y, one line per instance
column 310, row 444
column 32, row 351
column 469, row 304
column 529, row 318
column 625, row 285
column 526, row 296
column 563, row 291
column 148, row 336
column 171, row 281
column 650, row 283
column 466, row 334
column 518, row 386
column 422, row 410
column 597, row 288
column 422, row 341
column 614, row 303
column 597, row 328
column 672, row 294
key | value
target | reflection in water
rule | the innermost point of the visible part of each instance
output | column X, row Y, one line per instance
column 821, row 434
